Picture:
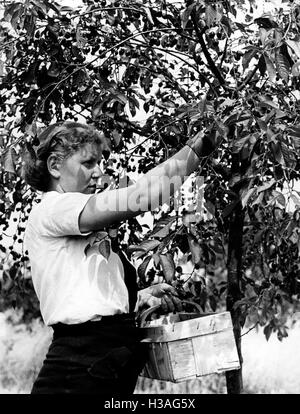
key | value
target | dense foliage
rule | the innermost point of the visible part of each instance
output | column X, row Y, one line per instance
column 151, row 74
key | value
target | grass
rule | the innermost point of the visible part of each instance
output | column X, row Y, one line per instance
column 22, row 349
column 272, row 367
column 212, row 384
column 269, row 367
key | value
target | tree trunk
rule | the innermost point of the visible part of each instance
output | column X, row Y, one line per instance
column 234, row 379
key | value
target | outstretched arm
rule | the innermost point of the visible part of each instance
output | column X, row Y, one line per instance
column 149, row 192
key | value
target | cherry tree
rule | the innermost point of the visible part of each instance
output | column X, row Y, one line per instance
column 151, row 75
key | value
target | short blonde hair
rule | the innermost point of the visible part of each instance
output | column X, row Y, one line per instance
column 63, row 139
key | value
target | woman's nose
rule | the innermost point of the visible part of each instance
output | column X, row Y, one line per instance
column 97, row 173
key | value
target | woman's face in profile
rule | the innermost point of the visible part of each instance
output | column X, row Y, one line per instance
column 80, row 172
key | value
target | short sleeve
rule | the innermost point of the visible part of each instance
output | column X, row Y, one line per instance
column 59, row 214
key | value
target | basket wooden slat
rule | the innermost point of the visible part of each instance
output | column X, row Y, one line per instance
column 202, row 325
column 191, row 348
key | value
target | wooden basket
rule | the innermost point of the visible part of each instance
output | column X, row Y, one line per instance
column 193, row 345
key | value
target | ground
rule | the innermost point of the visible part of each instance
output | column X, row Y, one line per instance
column 270, row 367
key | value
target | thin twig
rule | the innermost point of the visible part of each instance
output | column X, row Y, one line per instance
column 224, row 53
column 3, row 46
column 253, row 327
column 99, row 57
column 169, row 52
column 141, row 11
column 246, row 81
column 209, row 59
column 152, row 135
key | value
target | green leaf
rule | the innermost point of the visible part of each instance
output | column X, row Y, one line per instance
column 280, row 114
column 294, row 131
column 120, row 97
column 30, row 73
column 262, row 124
column 270, row 68
column 210, row 207
column 288, row 156
column 266, row 23
column 166, row 241
column 282, row 64
column 248, row 56
column 144, row 247
column 168, row 266
column 29, row 24
column 296, row 69
column 263, row 34
column 217, row 246
column 54, row 70
column 66, row 9
column 117, row 137
column 9, row 160
column 148, row 14
column 11, row 10
column 143, row 268
column 279, row 197
column 97, row 110
column 268, row 331
column 258, row 200
column 262, row 65
column 259, row 235
column 186, row 15
column 212, row 15
column 241, row 27
column 87, row 96
column 40, row 8
column 246, row 195
column 195, row 249
column 227, row 24
column 168, row 104
column 53, row 5
column 133, row 104
column 294, row 45
column 156, row 259
column 266, row 102
column 212, row 302
column 229, row 209
column 266, row 186
column 296, row 200
column 162, row 227
column 277, row 152
column 239, row 144
column 235, row 178
column 238, row 117
column 80, row 39
column 104, row 248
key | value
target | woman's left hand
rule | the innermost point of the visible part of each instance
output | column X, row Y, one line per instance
column 161, row 294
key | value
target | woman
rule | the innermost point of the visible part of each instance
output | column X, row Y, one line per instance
column 85, row 284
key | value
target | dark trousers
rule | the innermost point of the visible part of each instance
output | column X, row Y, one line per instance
column 102, row 357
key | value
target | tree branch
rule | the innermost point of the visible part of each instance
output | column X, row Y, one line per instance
column 141, row 11
column 169, row 75
column 132, row 151
column 209, row 59
column 246, row 82
column 224, row 53
column 176, row 85
column 172, row 53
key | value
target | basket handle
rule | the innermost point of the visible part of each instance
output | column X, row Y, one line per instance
column 148, row 312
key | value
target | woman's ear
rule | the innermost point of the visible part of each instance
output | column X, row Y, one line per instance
column 54, row 164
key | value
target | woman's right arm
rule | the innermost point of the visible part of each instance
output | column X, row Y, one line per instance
column 149, row 192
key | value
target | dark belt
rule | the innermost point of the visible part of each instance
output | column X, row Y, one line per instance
column 91, row 327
